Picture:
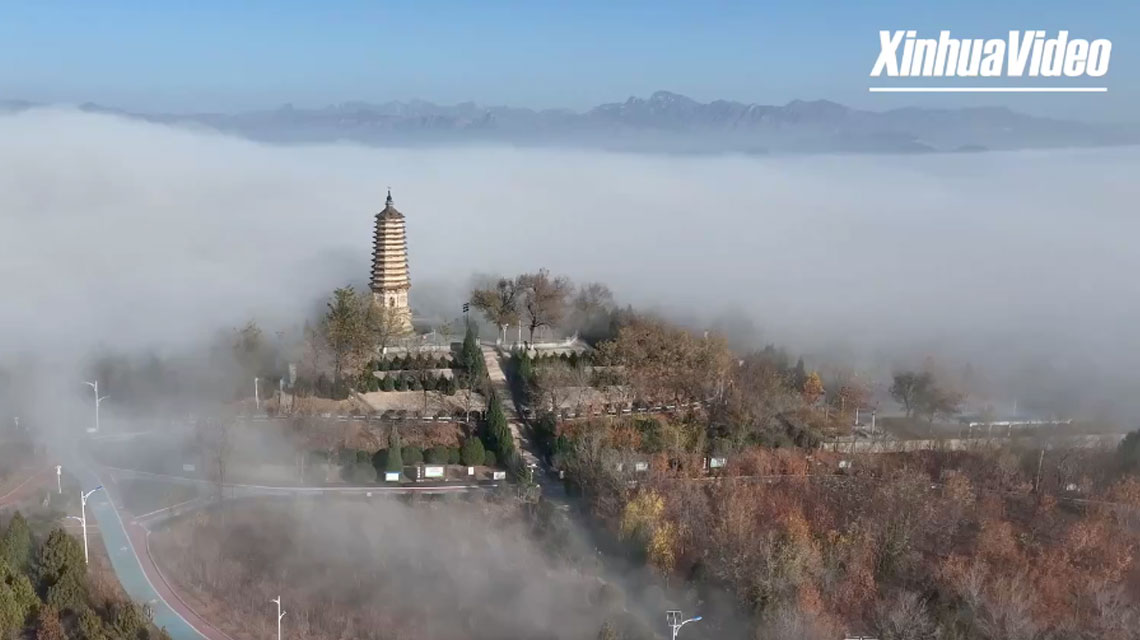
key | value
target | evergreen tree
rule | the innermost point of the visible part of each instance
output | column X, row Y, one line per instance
column 16, row 545
column 471, row 356
column 472, row 452
column 395, row 460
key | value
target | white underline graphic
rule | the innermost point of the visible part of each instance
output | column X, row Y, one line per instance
column 987, row 89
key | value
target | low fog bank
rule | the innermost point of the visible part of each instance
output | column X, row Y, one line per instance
column 456, row 568
column 131, row 235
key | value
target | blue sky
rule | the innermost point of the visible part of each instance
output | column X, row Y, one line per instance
column 219, row 55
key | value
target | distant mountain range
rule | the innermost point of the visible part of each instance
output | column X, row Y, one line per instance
column 663, row 122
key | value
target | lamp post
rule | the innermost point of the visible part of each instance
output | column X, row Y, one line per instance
column 256, row 395
column 280, row 614
column 98, row 401
column 83, row 517
column 59, row 478
column 673, row 617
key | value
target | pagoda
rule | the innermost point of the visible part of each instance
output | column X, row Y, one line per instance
column 390, row 282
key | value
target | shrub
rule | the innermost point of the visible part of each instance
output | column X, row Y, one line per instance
column 489, row 459
column 430, row 383
column 414, row 385
column 412, row 454
column 437, row 455
column 387, row 384
column 472, row 454
column 363, row 473
column 401, row 384
column 453, row 456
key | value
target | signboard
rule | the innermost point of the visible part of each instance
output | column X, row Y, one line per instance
column 470, row 471
column 391, row 476
column 188, row 467
column 498, row 475
column 716, row 463
column 641, row 466
column 434, row 471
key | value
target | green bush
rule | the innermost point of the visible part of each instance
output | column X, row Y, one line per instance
column 388, row 384
column 453, row 456
column 437, row 455
column 489, row 459
column 414, row 385
column 401, row 384
column 412, row 454
column 472, row 453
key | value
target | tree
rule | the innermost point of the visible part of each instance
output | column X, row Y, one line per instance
column 215, row 442
column 472, row 452
column 812, row 388
column 543, row 299
column 346, row 328
column 16, row 545
column 48, row 626
column 62, row 571
column 437, row 455
column 499, row 303
column 250, row 350
column 908, row 387
column 395, row 456
column 423, row 370
column 1127, row 452
column 471, row 356
column 127, row 619
column 382, row 325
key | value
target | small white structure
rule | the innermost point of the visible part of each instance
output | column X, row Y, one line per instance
column 844, row 464
column 470, row 471
column 498, row 475
column 433, row 471
column 717, row 463
column 641, row 466
column 391, row 476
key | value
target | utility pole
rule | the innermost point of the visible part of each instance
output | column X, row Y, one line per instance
column 83, row 517
column 280, row 614
column 673, row 617
column 1037, row 480
column 98, row 401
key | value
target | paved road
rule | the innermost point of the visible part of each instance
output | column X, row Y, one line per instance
column 131, row 560
column 498, row 378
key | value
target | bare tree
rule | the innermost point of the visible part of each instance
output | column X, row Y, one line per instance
column 382, row 326
column 215, row 442
column 500, row 303
column 904, row 617
column 552, row 381
column 543, row 299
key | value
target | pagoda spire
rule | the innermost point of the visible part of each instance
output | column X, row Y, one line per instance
column 388, row 202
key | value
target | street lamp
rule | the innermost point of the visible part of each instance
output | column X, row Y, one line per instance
column 280, row 614
column 673, row 617
column 98, row 401
column 256, row 395
column 83, row 518
column 59, row 478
